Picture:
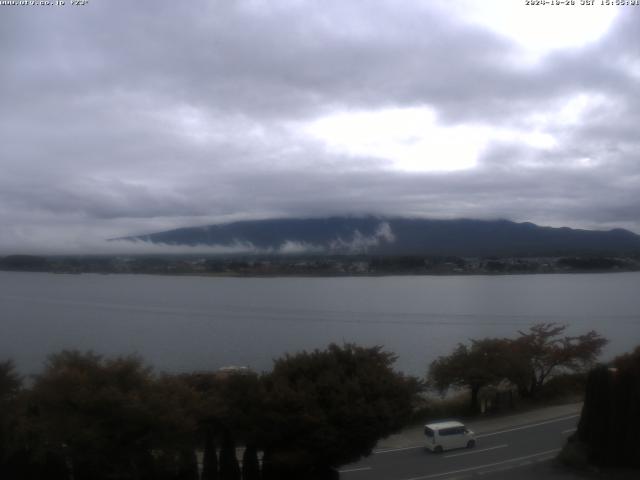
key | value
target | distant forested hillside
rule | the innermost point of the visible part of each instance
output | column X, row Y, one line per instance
column 401, row 236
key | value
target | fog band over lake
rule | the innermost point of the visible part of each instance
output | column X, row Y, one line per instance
column 193, row 323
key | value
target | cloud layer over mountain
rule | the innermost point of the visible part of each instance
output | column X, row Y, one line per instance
column 130, row 117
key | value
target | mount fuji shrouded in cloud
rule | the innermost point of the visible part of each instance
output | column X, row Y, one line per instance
column 398, row 236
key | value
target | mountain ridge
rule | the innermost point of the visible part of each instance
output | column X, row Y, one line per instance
column 382, row 235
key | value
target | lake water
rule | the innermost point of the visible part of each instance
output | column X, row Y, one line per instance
column 187, row 323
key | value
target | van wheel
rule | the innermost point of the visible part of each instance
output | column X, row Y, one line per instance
column 471, row 443
column 438, row 449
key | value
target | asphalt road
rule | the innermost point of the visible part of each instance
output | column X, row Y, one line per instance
column 496, row 453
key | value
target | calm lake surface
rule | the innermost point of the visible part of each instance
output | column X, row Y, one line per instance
column 187, row 323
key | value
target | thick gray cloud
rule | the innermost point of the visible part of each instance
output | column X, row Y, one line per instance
column 128, row 117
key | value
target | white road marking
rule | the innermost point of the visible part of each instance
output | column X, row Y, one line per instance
column 496, row 470
column 527, row 426
column 570, row 430
column 355, row 470
column 389, row 450
column 488, row 465
column 526, row 463
column 471, row 452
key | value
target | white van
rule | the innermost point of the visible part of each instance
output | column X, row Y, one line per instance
column 447, row 435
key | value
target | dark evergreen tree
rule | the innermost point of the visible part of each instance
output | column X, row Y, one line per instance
column 594, row 420
column 229, row 467
column 268, row 471
column 165, row 466
column 250, row 463
column 210, row 457
column 145, row 467
column 611, row 411
column 187, row 465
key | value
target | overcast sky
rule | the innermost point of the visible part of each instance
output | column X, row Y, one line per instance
column 123, row 117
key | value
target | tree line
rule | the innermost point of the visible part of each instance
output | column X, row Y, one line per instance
column 525, row 363
column 89, row 417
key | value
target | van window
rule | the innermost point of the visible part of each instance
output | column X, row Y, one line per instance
column 452, row 431
column 428, row 432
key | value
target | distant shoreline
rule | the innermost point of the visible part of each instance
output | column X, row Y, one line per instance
column 320, row 266
column 330, row 275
